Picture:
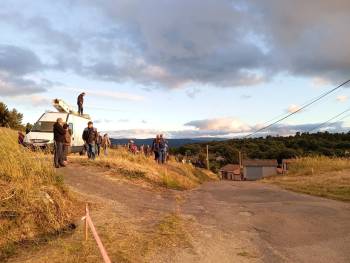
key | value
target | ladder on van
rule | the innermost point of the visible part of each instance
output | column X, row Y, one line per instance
column 61, row 106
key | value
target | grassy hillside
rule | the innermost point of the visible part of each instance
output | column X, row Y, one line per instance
column 173, row 175
column 320, row 176
column 33, row 200
column 300, row 145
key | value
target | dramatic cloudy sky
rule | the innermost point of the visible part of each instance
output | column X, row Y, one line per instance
column 187, row 68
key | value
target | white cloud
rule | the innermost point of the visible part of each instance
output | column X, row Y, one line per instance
column 293, row 108
column 342, row 98
column 232, row 125
column 319, row 82
column 107, row 94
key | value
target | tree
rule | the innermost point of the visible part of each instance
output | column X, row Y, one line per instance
column 4, row 115
column 10, row 119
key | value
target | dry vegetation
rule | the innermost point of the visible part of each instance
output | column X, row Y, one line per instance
column 34, row 204
column 128, row 242
column 320, row 176
column 173, row 175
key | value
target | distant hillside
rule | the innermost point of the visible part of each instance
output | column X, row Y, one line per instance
column 173, row 143
column 300, row 145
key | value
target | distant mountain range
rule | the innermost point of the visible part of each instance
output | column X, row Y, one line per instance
column 174, row 143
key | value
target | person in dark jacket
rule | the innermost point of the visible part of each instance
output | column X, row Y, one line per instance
column 59, row 137
column 163, row 149
column 155, row 148
column 80, row 102
column 90, row 138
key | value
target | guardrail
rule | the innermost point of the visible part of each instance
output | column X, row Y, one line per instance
column 89, row 223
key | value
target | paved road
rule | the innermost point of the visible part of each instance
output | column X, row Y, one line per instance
column 237, row 221
column 284, row 226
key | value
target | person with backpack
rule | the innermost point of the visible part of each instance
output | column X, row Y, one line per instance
column 90, row 138
column 163, row 149
column 59, row 137
column 106, row 143
column 155, row 148
column 98, row 143
column 80, row 102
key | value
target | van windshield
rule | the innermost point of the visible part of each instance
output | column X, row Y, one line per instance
column 43, row 126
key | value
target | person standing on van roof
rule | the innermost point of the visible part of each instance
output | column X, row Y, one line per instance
column 90, row 138
column 59, row 137
column 80, row 102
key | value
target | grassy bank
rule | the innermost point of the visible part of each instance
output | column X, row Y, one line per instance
column 319, row 176
column 173, row 175
column 34, row 203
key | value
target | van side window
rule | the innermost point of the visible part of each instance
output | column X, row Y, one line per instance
column 70, row 127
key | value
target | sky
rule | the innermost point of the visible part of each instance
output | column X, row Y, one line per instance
column 194, row 68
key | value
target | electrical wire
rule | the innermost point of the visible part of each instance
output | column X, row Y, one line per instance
column 298, row 110
column 331, row 119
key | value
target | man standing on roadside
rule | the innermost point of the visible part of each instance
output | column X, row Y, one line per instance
column 59, row 138
column 163, row 149
column 90, row 137
column 80, row 102
column 98, row 143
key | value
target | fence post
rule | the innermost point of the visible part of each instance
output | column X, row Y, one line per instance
column 86, row 221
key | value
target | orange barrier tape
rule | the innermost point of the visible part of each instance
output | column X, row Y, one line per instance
column 88, row 222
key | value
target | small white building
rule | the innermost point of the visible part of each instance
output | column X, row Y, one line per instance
column 258, row 169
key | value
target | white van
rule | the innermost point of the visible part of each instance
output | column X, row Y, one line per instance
column 41, row 135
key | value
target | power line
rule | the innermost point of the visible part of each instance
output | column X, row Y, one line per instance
column 331, row 119
column 298, row 110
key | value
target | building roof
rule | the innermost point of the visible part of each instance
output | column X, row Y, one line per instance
column 260, row 162
column 230, row 168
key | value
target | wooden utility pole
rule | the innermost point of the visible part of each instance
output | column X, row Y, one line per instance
column 208, row 167
column 240, row 159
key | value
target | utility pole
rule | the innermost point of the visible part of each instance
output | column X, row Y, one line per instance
column 208, row 167
column 240, row 159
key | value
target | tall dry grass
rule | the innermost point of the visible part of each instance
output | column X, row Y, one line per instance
column 172, row 175
column 33, row 200
column 320, row 176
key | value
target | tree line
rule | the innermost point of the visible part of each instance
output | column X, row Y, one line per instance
column 299, row 145
column 12, row 118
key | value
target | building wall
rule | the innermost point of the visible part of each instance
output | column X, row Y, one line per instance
column 268, row 171
column 252, row 173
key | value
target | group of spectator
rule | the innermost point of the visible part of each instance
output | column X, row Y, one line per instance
column 93, row 142
column 160, row 149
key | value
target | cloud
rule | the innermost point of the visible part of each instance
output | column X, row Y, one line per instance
column 230, row 125
column 342, row 98
column 281, row 130
column 99, row 121
column 173, row 44
column 11, row 86
column 18, row 61
column 246, row 97
column 192, row 93
column 115, row 95
column 293, row 108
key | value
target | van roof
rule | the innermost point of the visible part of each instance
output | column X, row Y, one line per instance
column 64, row 114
